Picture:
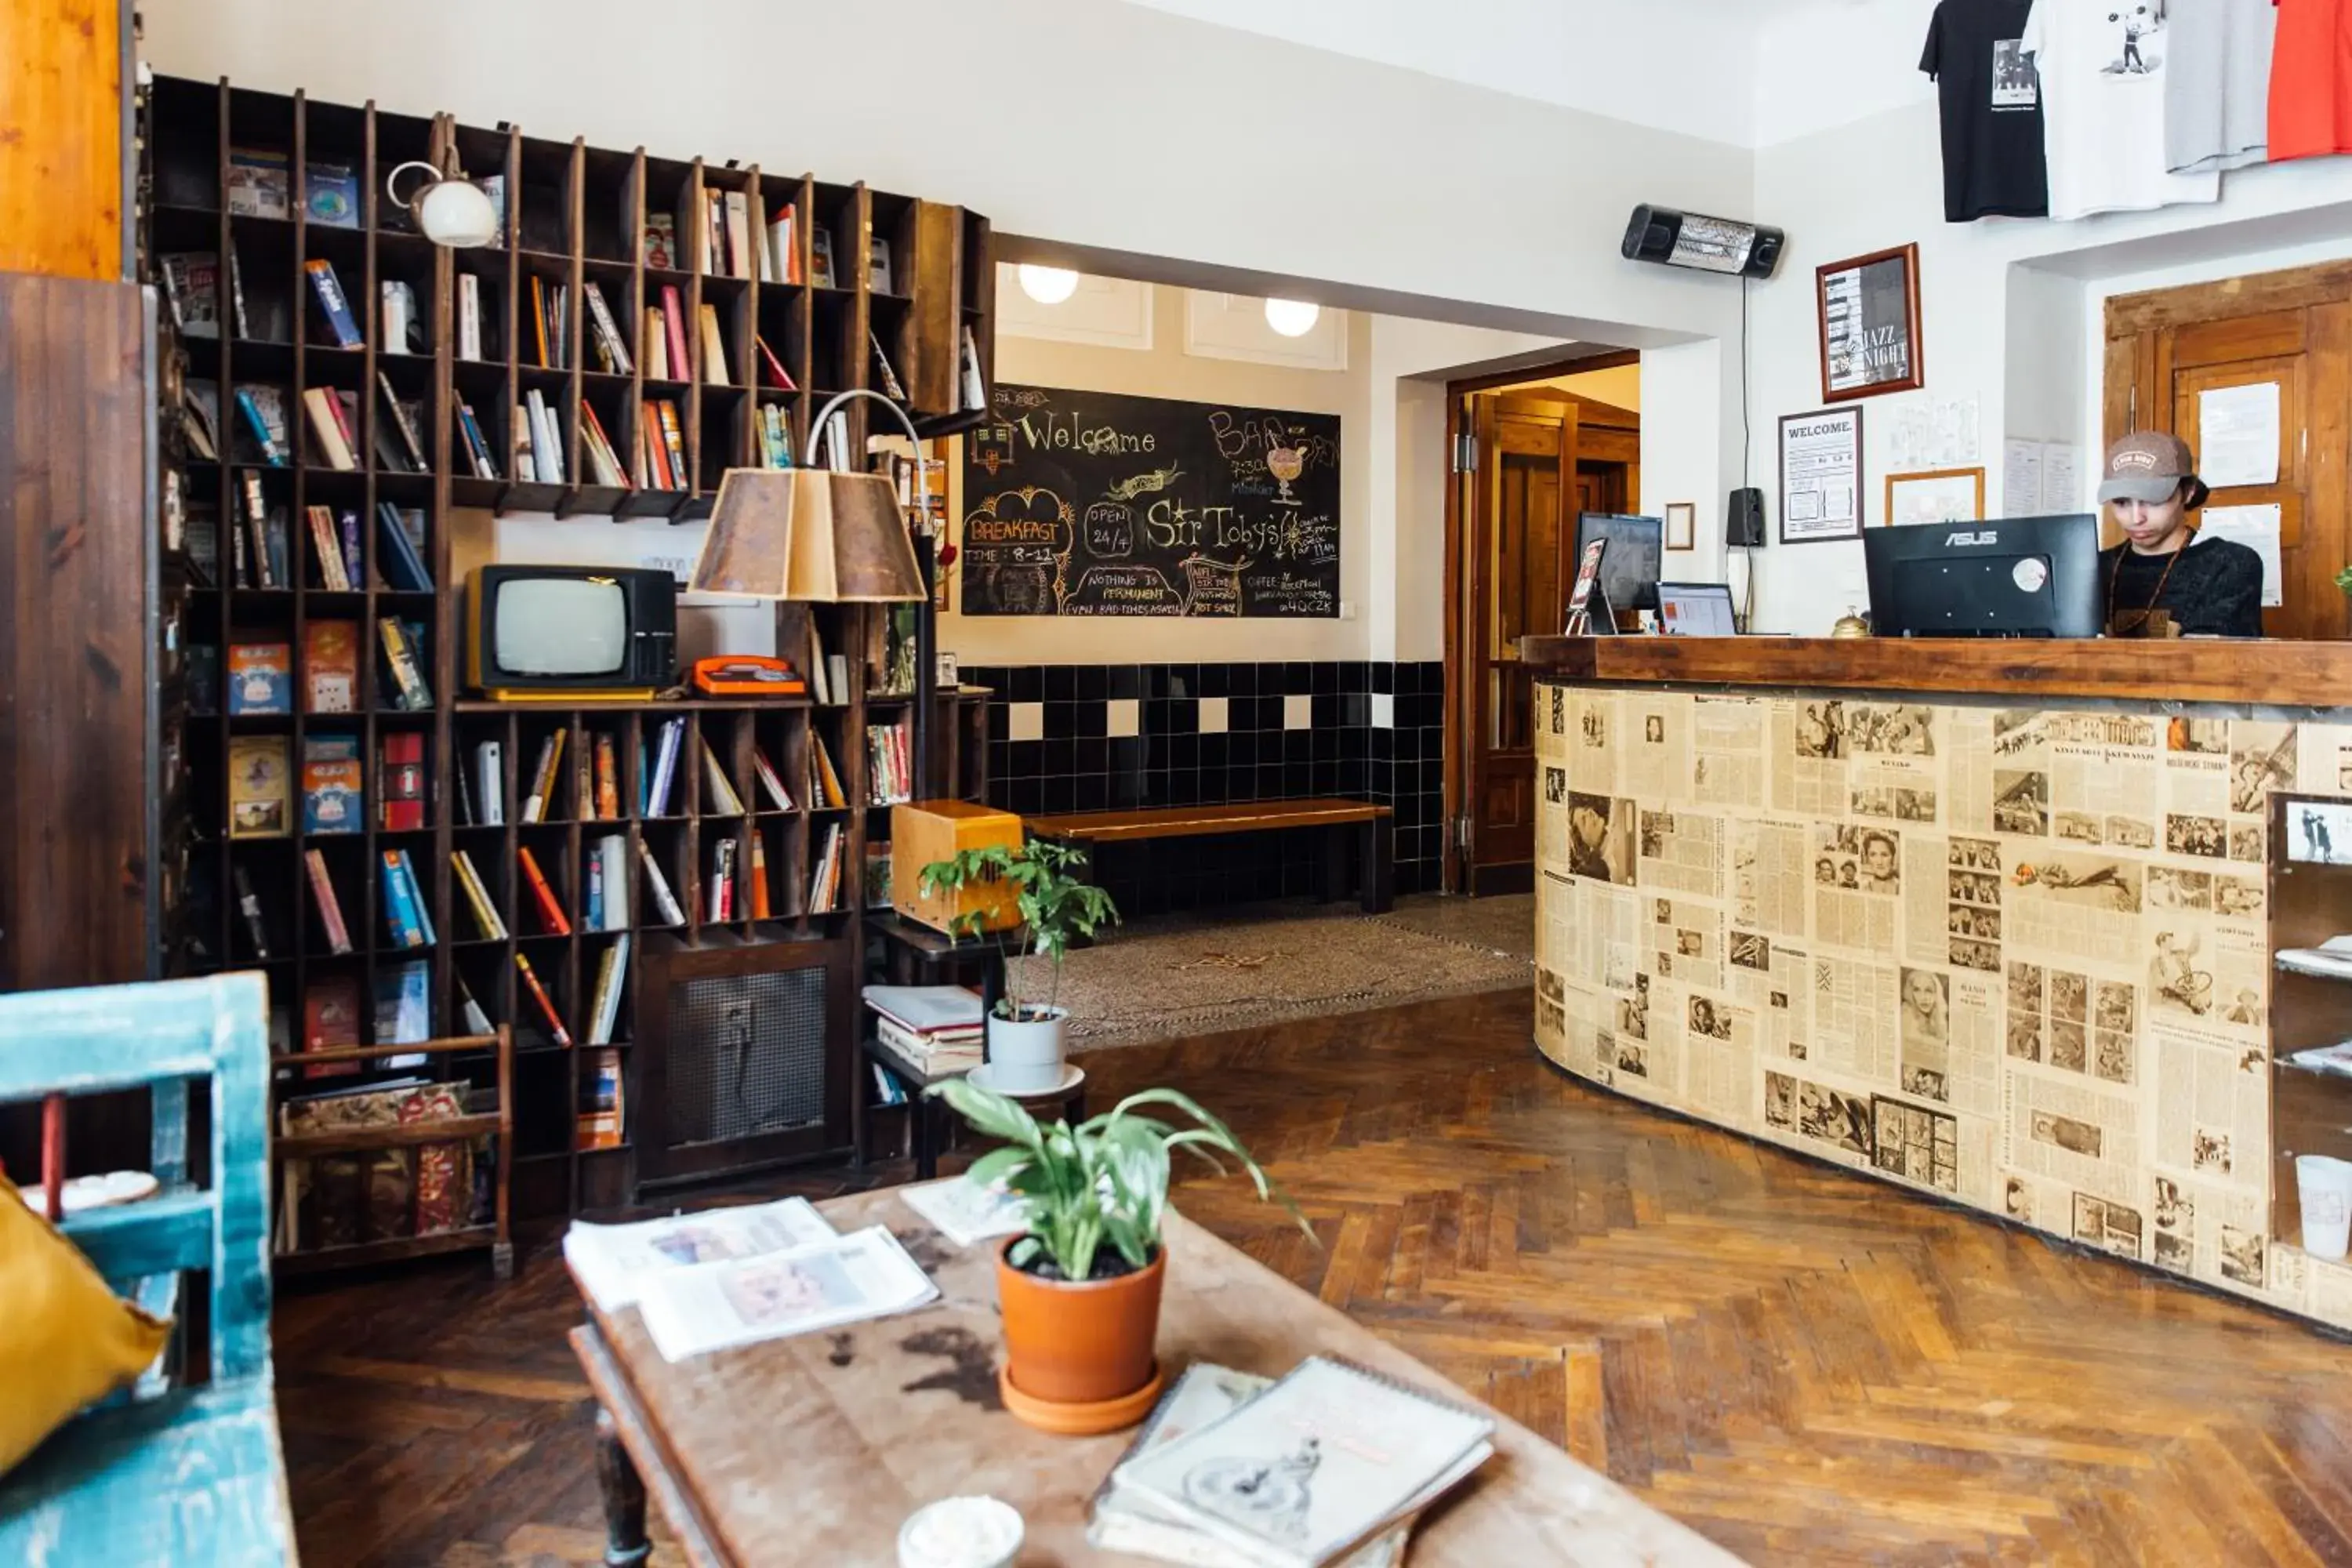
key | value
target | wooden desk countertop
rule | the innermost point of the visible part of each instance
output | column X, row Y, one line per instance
column 814, row 1449
column 2278, row 673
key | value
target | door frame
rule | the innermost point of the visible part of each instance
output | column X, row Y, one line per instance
column 1458, row 675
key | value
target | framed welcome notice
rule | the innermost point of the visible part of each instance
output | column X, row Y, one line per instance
column 1821, row 476
column 1870, row 325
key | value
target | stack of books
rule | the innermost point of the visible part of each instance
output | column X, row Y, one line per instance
column 937, row 1027
column 1331, row 1464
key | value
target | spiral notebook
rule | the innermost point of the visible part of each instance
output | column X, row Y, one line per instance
column 1313, row 1467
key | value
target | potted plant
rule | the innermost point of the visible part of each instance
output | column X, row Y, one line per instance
column 1056, row 905
column 1080, row 1287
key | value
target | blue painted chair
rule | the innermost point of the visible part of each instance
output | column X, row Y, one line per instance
column 169, row 1475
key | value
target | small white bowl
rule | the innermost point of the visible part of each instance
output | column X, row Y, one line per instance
column 962, row 1532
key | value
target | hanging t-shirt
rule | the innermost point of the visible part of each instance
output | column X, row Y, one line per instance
column 2102, row 68
column 1992, row 110
column 2216, row 84
column 2311, row 81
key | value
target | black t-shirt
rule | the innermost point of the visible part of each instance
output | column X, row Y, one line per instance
column 2215, row 587
column 1991, row 94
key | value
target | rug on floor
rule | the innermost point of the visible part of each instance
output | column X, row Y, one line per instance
column 1171, row 976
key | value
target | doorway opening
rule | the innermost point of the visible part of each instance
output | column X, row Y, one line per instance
column 1531, row 452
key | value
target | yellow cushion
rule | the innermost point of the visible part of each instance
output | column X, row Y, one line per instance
column 65, row 1338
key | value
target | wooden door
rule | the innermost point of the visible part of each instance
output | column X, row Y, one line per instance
column 1522, row 495
column 2168, row 348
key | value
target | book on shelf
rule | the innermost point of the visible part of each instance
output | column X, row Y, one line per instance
column 330, row 664
column 608, row 778
column 192, row 289
column 200, row 416
column 720, row 902
column 604, row 997
column 551, row 919
column 203, row 677
column 878, row 265
column 545, row 774
column 406, row 419
column 825, row 879
column 890, row 769
column 657, row 885
column 237, row 320
column 835, row 436
column 403, row 653
column 925, row 1010
column 890, row 388
column 759, row 876
column 652, row 453
column 824, row 780
column 403, row 1010
column 334, row 305
column 592, row 900
column 714, row 349
column 612, row 349
column 738, row 213
column 400, row 781
column 673, row 328
column 783, row 257
column 404, row 917
column 601, row 1118
column 556, row 1032
column 820, row 673
column 490, row 783
column 332, row 414
column 332, row 924
column 327, row 552
column 248, row 909
column 775, row 432
column 397, row 559
column 673, row 432
column 347, row 530
column 602, row 462
column 538, row 320
column 263, row 410
column 653, row 344
column 820, row 271
column 330, row 195
column 402, row 331
column 478, row 455
column 546, row 437
column 664, row 777
column 661, row 242
column 584, row 778
column 718, row 789
column 470, row 316
column 773, row 367
column 887, row 1091
column 772, row 784
column 940, row 1051
column 260, row 786
column 260, row 180
column 260, row 678
column 972, row 384
column 610, row 857
column 484, row 909
column 332, row 785
column 331, row 1021
column 476, row 1018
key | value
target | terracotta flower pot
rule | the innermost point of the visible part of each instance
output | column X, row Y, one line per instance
column 1080, row 1345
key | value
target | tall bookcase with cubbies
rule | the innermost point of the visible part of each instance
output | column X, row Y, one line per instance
column 368, row 833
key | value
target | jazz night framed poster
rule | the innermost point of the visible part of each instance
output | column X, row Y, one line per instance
column 1870, row 325
column 1821, row 476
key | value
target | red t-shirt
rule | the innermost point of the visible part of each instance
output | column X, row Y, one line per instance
column 2311, row 79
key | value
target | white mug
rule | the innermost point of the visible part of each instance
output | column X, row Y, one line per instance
column 450, row 211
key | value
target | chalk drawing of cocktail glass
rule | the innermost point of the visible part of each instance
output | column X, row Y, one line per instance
column 1285, row 464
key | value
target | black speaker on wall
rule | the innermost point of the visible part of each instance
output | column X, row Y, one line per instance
column 1743, row 519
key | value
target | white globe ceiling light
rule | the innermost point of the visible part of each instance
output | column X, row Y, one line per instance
column 1292, row 318
column 1047, row 285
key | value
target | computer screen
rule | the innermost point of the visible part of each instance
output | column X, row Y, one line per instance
column 1629, row 568
column 2013, row 576
column 1697, row 610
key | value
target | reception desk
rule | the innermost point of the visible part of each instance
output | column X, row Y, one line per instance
column 1992, row 919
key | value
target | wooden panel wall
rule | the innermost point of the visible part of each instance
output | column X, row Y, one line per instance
column 61, row 137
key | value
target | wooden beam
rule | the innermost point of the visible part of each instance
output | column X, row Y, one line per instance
column 61, row 117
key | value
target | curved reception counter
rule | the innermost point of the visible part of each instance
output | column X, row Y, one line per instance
column 2037, row 928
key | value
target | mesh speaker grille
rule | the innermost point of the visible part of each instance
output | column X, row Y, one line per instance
column 746, row 1055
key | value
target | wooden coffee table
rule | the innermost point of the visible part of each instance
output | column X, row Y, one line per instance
column 812, row 1450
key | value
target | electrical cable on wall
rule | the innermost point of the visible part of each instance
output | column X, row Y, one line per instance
column 1747, row 450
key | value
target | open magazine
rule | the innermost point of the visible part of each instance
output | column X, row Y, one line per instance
column 691, row 1311
column 613, row 1263
column 965, row 1213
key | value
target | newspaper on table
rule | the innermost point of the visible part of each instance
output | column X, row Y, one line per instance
column 966, row 1212
column 771, row 1296
column 613, row 1263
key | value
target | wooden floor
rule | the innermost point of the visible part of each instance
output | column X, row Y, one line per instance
column 1808, row 1366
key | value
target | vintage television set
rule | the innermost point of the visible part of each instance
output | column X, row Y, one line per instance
column 571, row 633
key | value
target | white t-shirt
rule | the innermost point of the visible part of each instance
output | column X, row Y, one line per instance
column 2102, row 68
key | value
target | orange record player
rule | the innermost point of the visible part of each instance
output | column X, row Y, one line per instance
column 747, row 675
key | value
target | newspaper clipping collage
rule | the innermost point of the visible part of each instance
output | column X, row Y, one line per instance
column 2018, row 957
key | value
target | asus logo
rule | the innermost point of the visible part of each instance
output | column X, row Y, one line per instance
column 1982, row 536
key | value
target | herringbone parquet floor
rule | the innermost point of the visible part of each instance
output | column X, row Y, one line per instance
column 1808, row 1366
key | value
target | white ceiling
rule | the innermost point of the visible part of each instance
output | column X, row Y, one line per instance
column 1672, row 65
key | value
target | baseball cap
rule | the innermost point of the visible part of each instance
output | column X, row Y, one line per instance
column 2149, row 465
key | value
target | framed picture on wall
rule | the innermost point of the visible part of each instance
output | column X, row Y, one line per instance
column 1821, row 476
column 1682, row 525
column 1938, row 495
column 1870, row 325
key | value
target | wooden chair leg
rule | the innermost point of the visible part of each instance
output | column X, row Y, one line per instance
column 625, row 1545
column 1378, row 887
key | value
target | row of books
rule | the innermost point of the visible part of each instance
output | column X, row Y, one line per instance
column 732, row 242
column 260, row 554
column 191, row 292
column 938, row 1028
column 261, row 674
column 261, row 183
column 260, row 785
column 889, row 762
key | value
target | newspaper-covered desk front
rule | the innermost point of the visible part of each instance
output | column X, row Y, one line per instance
column 1990, row 920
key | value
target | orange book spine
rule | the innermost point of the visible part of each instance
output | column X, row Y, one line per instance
column 551, row 912
column 759, row 875
column 538, row 993
column 608, row 780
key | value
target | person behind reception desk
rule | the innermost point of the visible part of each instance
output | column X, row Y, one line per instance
column 2205, row 587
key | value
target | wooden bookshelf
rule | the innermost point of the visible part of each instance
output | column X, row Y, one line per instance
column 575, row 216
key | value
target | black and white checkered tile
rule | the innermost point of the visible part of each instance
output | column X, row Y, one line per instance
column 1092, row 737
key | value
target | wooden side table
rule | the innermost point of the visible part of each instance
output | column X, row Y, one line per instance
column 928, row 1118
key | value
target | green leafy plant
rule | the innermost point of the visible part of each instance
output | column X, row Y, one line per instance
column 1103, row 1181
column 1056, row 904
column 2344, row 579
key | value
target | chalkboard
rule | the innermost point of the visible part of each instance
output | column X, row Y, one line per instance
column 1087, row 503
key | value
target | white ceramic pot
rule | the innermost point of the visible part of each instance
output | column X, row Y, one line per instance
column 1025, row 1058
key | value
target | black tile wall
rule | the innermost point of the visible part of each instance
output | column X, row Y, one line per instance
column 1072, row 760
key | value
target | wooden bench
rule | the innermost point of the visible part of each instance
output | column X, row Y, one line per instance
column 165, row 1474
column 1360, row 842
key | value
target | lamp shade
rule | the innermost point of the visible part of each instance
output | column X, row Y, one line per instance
column 808, row 534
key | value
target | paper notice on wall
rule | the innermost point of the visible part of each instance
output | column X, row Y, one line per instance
column 2237, row 429
column 2256, row 528
column 2059, row 469
column 2021, row 478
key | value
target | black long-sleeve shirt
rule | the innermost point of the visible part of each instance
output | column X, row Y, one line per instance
column 2215, row 589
